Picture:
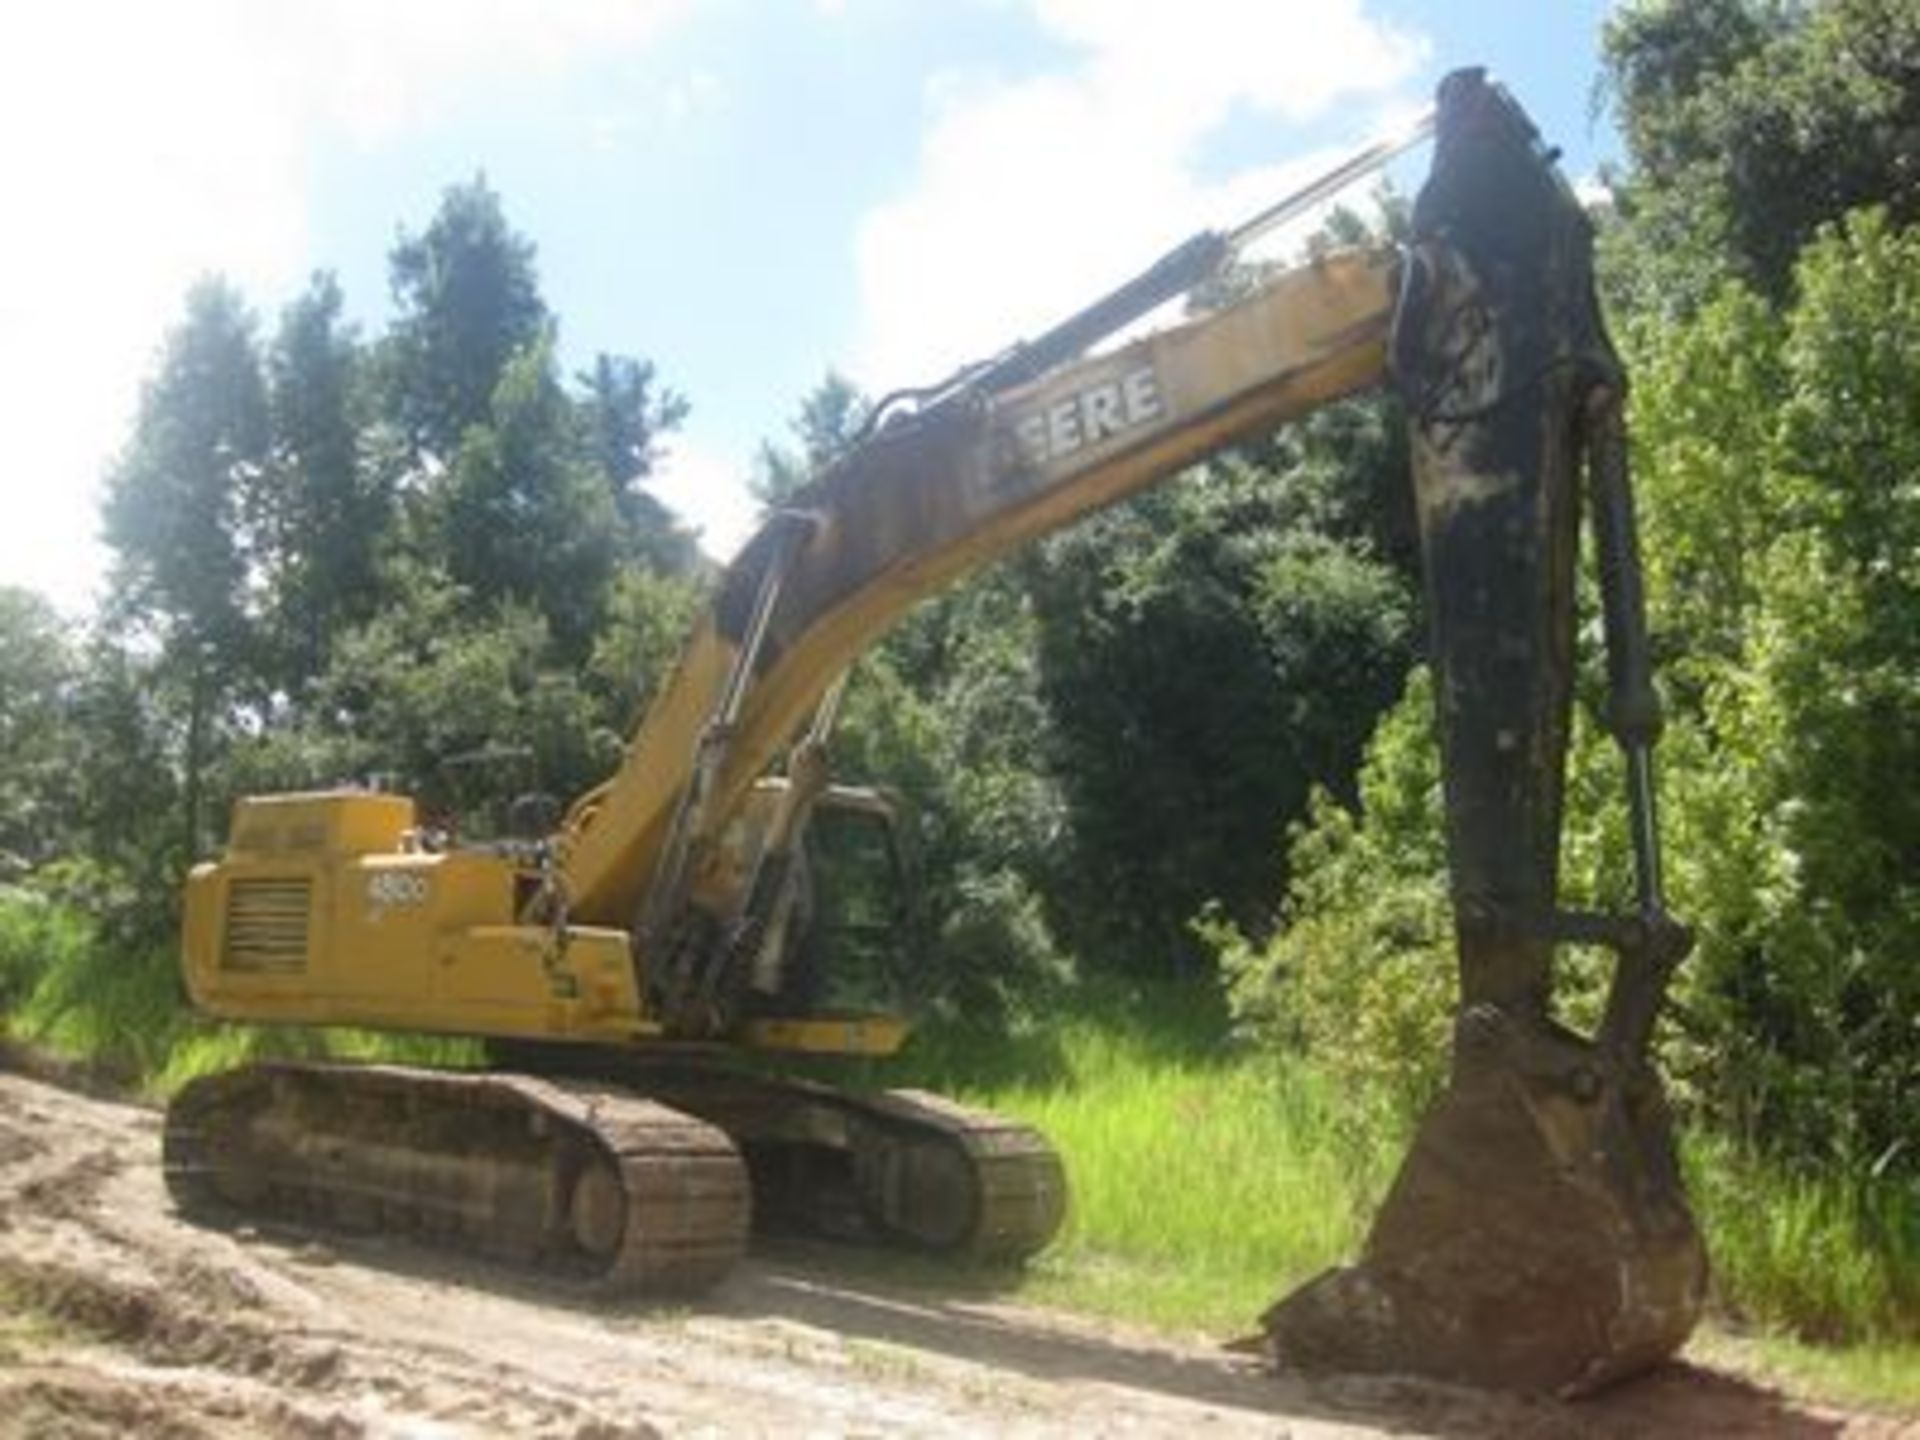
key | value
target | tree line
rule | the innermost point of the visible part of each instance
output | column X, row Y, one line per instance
column 337, row 558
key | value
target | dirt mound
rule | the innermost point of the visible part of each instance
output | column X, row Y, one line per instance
column 73, row 1402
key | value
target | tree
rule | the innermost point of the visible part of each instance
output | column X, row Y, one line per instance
column 36, row 792
column 127, row 778
column 469, row 301
column 649, row 616
column 1825, row 717
column 947, row 713
column 1751, row 123
column 326, row 508
column 1208, row 653
column 177, row 507
column 177, row 500
column 626, row 413
column 458, row 705
column 521, row 492
column 522, row 515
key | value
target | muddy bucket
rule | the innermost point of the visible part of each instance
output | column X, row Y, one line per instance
column 1536, row 1238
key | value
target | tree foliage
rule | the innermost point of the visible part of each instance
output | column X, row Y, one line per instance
column 41, row 669
column 1821, row 714
column 1777, row 433
column 626, row 412
column 521, row 517
column 328, row 505
column 1752, row 123
column 1208, row 654
column 182, row 513
column 181, row 501
column 469, row 301
column 339, row 559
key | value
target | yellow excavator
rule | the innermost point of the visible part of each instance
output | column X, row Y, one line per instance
column 621, row 961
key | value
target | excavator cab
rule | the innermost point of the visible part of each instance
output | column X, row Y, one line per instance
column 845, row 934
column 864, row 936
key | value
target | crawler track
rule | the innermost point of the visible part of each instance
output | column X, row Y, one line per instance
column 584, row 1179
column 899, row 1167
column 1018, row 1184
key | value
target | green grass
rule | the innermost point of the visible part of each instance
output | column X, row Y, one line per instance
column 1816, row 1275
column 1882, row 1374
column 1824, row 1256
column 1208, row 1182
column 1201, row 1194
column 1204, row 1184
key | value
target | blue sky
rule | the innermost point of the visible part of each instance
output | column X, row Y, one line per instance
column 747, row 192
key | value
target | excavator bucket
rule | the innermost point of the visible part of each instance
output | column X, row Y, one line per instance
column 1537, row 1237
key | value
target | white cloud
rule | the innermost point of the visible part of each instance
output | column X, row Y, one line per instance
column 1036, row 195
column 708, row 489
column 375, row 67
column 1593, row 191
column 144, row 144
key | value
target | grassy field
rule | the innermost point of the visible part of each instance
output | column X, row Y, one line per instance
column 1208, row 1182
column 1204, row 1183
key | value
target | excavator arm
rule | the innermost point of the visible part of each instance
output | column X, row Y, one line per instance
column 1538, row 1235
column 923, row 503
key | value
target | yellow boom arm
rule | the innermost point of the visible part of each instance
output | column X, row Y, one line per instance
column 917, row 508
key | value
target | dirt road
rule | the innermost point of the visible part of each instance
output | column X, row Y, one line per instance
column 118, row 1319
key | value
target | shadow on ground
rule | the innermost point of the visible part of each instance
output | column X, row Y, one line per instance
column 811, row 1284
column 973, row 1317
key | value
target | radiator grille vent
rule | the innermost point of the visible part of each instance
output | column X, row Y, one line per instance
column 267, row 926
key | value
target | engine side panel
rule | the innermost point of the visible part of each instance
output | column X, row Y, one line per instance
column 318, row 916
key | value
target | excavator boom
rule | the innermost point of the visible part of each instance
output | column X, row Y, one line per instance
column 933, row 498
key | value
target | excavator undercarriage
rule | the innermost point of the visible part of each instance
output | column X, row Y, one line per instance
column 590, row 1181
column 626, row 1176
